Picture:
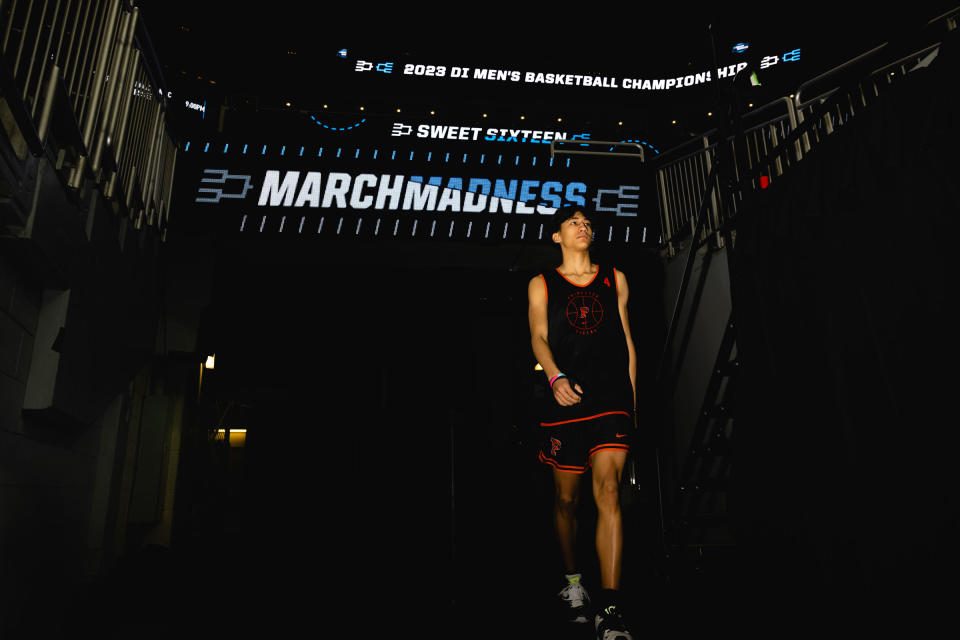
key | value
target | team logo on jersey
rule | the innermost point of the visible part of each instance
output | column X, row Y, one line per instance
column 584, row 312
column 554, row 447
column 606, row 281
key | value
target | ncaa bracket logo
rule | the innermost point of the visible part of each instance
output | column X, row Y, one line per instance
column 218, row 194
column 382, row 67
column 400, row 129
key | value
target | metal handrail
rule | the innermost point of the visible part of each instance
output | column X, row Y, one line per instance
column 832, row 72
column 781, row 146
column 90, row 53
column 946, row 17
column 777, row 129
column 554, row 151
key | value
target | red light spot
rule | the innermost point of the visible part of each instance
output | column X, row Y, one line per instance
column 764, row 182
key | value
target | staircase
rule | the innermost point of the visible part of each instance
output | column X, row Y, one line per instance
column 700, row 367
column 706, row 470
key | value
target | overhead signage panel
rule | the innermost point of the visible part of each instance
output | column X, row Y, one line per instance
column 407, row 187
column 460, row 133
column 642, row 82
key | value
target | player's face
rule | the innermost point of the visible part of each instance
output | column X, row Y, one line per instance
column 575, row 232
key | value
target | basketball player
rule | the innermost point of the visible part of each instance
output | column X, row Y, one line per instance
column 581, row 337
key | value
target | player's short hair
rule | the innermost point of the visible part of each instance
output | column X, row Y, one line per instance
column 565, row 213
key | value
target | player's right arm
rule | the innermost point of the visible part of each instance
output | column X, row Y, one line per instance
column 537, row 315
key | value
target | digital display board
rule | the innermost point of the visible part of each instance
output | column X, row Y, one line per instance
column 382, row 179
column 635, row 82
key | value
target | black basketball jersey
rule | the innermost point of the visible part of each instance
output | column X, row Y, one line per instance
column 586, row 338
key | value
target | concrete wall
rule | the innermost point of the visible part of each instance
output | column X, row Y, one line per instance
column 46, row 476
column 89, row 431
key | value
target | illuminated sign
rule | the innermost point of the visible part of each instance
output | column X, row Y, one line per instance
column 571, row 79
column 385, row 192
column 342, row 53
column 421, row 192
column 332, row 127
column 790, row 56
column 145, row 90
column 382, row 67
column 466, row 133
column 194, row 106
column 474, row 134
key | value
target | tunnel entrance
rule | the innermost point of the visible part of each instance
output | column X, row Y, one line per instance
column 390, row 404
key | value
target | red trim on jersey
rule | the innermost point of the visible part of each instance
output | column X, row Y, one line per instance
column 560, row 467
column 601, row 447
column 546, row 292
column 580, row 285
column 607, row 413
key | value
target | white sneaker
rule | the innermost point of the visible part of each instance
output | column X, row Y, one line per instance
column 610, row 625
column 576, row 600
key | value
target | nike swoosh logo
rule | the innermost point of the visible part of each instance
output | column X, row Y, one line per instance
column 621, row 435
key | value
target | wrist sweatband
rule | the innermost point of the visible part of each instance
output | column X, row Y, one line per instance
column 554, row 378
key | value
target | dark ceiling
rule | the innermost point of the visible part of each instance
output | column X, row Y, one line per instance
column 285, row 51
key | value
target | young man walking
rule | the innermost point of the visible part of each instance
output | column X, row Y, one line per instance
column 581, row 337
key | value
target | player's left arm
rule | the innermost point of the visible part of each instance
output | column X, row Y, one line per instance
column 623, row 293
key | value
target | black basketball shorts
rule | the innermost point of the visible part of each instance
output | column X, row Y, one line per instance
column 569, row 446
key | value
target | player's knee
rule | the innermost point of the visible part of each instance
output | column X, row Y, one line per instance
column 565, row 502
column 606, row 492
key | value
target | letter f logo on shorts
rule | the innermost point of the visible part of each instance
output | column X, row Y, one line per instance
column 554, row 447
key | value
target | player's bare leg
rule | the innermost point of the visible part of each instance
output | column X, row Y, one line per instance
column 607, row 469
column 566, row 497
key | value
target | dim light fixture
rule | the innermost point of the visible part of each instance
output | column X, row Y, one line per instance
column 523, row 117
column 326, row 107
column 287, row 103
column 484, row 115
column 209, row 363
column 674, row 122
column 398, row 110
column 432, row 112
column 361, row 108
column 620, row 123
column 709, row 113
column 236, row 437
column 559, row 119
